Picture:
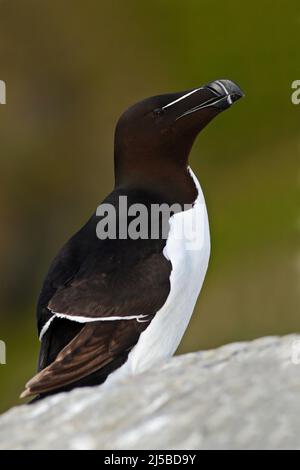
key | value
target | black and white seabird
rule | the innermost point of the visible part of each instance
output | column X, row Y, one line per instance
column 117, row 306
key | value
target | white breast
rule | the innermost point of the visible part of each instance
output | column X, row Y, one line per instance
column 189, row 255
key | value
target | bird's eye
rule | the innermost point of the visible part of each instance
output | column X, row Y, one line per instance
column 158, row 112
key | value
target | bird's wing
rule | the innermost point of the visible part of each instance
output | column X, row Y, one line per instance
column 125, row 290
column 111, row 299
column 95, row 346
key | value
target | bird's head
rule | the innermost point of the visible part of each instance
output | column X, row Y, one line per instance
column 155, row 136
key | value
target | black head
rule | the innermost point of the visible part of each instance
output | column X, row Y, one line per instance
column 154, row 137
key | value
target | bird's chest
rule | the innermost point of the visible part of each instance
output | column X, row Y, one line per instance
column 188, row 248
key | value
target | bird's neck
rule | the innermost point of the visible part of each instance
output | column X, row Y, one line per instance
column 171, row 183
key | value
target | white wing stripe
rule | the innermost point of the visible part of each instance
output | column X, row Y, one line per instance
column 45, row 327
column 81, row 319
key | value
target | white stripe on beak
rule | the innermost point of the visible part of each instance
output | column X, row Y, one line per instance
column 181, row 98
column 226, row 91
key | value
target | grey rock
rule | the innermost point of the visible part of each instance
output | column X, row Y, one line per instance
column 240, row 396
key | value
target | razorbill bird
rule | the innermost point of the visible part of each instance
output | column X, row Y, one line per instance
column 115, row 306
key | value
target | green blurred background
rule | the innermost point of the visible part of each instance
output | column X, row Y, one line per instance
column 71, row 68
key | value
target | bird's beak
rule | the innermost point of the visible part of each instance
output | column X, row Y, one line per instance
column 218, row 96
column 226, row 92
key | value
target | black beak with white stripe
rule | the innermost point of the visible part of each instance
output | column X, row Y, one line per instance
column 225, row 94
column 218, row 95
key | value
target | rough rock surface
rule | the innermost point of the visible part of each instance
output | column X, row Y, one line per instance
column 239, row 396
